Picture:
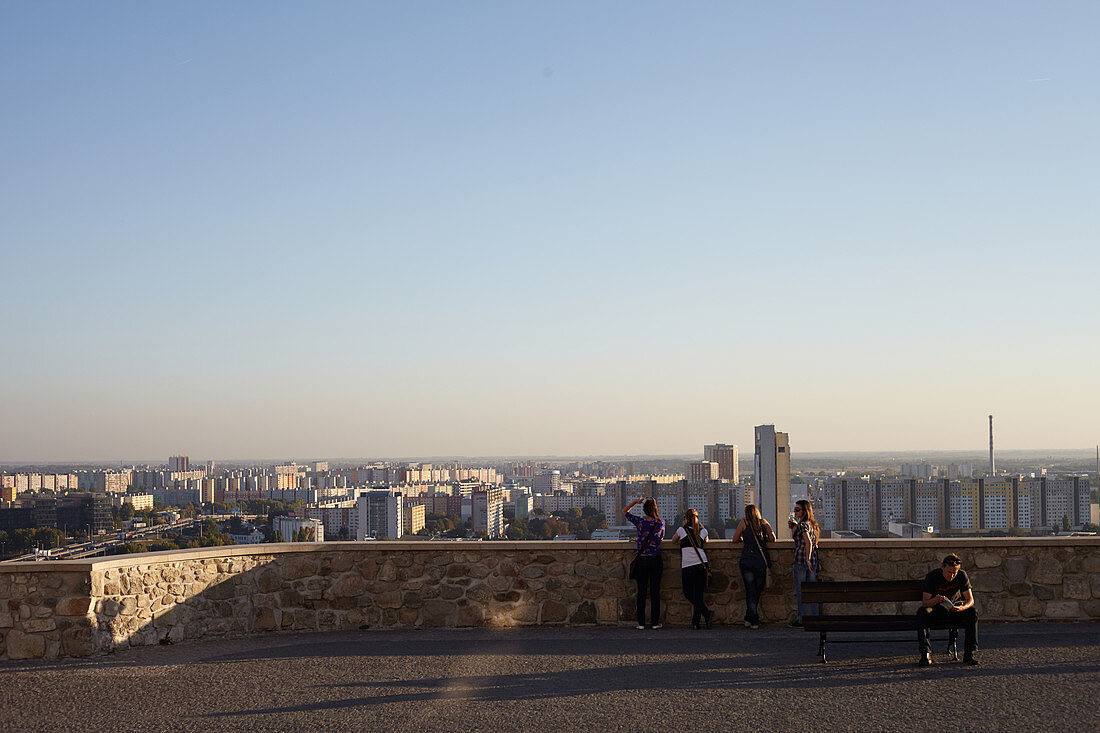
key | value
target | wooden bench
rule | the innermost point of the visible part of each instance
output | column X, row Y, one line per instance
column 869, row 591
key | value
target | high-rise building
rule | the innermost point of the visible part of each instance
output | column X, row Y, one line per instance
column 547, row 482
column 726, row 458
column 379, row 514
column 702, row 471
column 772, row 466
column 487, row 511
column 179, row 463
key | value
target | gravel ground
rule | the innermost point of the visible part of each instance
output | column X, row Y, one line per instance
column 1033, row 677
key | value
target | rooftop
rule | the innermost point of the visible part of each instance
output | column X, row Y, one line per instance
column 1033, row 677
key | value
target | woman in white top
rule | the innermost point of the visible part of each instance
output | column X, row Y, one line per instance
column 694, row 566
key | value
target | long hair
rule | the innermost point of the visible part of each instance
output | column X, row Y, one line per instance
column 650, row 509
column 808, row 516
column 753, row 520
column 691, row 522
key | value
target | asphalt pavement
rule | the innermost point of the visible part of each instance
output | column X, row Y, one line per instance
column 1032, row 677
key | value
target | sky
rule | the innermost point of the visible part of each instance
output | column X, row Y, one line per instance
column 253, row 229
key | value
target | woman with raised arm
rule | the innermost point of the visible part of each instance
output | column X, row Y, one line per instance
column 805, row 532
column 694, row 566
column 755, row 562
column 651, row 530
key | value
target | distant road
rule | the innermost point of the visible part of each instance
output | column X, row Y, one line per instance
column 100, row 546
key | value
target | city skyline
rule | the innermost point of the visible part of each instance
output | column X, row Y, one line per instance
column 267, row 229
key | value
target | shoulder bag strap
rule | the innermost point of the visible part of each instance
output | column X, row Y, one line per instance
column 646, row 541
column 697, row 553
column 758, row 547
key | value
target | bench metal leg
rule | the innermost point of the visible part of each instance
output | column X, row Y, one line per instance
column 821, row 649
column 953, row 646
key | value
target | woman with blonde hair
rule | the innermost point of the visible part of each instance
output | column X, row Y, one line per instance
column 805, row 532
column 755, row 562
column 694, row 567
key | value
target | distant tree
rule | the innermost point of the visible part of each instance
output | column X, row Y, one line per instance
column 1065, row 523
column 126, row 512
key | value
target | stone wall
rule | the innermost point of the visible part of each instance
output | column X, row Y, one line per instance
column 82, row 608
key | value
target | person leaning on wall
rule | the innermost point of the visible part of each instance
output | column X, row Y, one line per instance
column 804, row 531
column 755, row 561
column 694, row 567
column 651, row 530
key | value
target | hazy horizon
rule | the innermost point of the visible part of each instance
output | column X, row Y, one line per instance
column 488, row 228
column 975, row 455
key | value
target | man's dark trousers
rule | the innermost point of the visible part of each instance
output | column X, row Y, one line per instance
column 927, row 617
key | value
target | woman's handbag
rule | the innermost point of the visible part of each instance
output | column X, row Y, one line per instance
column 706, row 565
column 633, row 574
column 767, row 565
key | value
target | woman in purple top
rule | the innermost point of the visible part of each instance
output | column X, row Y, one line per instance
column 651, row 530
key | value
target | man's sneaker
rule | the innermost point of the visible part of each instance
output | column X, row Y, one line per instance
column 925, row 660
column 754, row 627
column 639, row 627
column 795, row 624
column 747, row 624
column 657, row 626
column 709, row 618
column 971, row 660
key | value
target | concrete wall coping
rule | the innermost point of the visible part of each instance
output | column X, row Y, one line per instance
column 230, row 551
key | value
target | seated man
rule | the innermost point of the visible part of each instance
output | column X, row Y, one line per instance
column 942, row 589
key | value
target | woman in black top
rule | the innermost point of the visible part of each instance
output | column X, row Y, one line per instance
column 756, row 533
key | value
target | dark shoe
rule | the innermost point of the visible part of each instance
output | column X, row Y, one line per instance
column 971, row 660
column 710, row 619
column 795, row 624
column 925, row 660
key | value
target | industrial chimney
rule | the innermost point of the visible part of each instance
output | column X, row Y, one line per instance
column 992, row 465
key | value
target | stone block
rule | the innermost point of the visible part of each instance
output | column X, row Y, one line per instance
column 1042, row 592
column 987, row 582
column 298, row 567
column 532, row 571
column 73, row 606
column 39, row 625
column 1015, row 568
column 1020, row 589
column 479, row 593
column 25, row 646
column 350, row 585
column 265, row 620
column 1062, row 609
column 1092, row 608
column 391, row 599
column 437, row 613
column 78, row 642
column 1047, row 572
column 590, row 572
column 1076, row 587
column 1094, row 581
column 987, row 560
column 584, row 614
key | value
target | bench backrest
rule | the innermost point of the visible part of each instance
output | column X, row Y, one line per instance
column 861, row 591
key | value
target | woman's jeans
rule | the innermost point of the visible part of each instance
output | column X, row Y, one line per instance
column 649, row 578
column 803, row 574
column 755, row 577
column 694, row 578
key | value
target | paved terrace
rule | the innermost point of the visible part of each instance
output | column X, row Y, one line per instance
column 1040, row 676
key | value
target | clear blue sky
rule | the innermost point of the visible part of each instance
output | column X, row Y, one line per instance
column 259, row 229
